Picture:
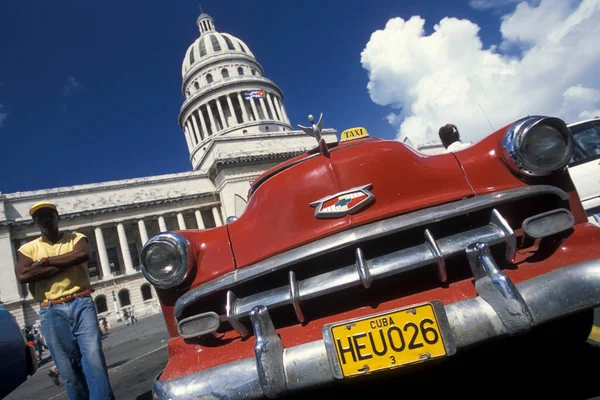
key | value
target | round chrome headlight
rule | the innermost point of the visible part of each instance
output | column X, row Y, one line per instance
column 164, row 259
column 538, row 146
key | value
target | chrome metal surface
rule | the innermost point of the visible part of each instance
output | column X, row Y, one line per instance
column 231, row 315
column 295, row 297
column 379, row 267
column 514, row 136
column 551, row 296
column 354, row 236
column 562, row 220
column 314, row 130
column 362, row 268
column 364, row 189
column 181, row 244
column 269, row 353
column 511, row 241
column 187, row 327
column 495, row 287
column 437, row 255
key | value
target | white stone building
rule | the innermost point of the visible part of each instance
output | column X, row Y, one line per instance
column 231, row 140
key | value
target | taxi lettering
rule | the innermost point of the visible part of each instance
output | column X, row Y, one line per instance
column 354, row 133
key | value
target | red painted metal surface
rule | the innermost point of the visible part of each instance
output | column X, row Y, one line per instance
column 550, row 254
column 487, row 172
column 210, row 251
column 279, row 212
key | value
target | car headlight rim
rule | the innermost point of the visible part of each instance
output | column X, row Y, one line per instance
column 180, row 245
column 516, row 136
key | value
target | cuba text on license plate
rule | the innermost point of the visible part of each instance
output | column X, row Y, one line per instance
column 388, row 340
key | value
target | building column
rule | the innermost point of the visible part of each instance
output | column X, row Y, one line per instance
column 143, row 231
column 199, row 137
column 125, row 249
column 231, row 109
column 217, row 216
column 271, row 107
column 188, row 138
column 243, row 108
column 104, row 263
column 284, row 113
column 213, row 127
column 253, row 105
column 181, row 221
column 264, row 107
column 276, row 102
column 224, row 123
column 162, row 224
column 199, row 220
column 203, row 124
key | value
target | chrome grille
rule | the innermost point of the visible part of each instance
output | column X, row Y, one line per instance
column 283, row 288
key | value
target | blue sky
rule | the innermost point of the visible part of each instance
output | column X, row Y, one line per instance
column 90, row 91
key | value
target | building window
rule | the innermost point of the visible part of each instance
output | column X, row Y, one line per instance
column 93, row 270
column 101, row 304
column 196, row 85
column 225, row 73
column 124, row 298
column 240, row 71
column 253, row 72
column 242, row 47
column 215, row 43
column 135, row 258
column 146, row 292
column 113, row 261
column 202, row 47
column 229, row 42
column 192, row 56
column 209, row 78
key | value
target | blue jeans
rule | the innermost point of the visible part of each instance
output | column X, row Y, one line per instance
column 73, row 337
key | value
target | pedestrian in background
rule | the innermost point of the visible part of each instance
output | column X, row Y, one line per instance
column 55, row 266
column 450, row 138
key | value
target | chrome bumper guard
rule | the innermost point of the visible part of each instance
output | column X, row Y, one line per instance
column 500, row 309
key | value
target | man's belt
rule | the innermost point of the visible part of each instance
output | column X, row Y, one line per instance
column 66, row 298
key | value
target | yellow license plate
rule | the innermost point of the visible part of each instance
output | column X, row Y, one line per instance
column 388, row 340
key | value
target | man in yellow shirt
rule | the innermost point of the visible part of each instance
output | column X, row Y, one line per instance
column 55, row 266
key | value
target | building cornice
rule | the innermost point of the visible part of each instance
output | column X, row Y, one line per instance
column 250, row 159
column 94, row 187
column 214, row 59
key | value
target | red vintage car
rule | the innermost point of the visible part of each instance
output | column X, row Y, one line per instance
column 367, row 260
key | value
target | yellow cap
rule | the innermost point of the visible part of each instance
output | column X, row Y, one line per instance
column 40, row 205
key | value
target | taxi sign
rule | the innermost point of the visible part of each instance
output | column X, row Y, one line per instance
column 353, row 134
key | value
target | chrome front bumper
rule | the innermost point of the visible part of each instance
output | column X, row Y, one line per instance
column 500, row 309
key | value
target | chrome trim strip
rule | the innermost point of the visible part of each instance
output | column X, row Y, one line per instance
column 269, row 354
column 380, row 267
column 358, row 234
column 550, row 296
column 295, row 296
column 437, row 255
column 231, row 315
column 362, row 268
column 511, row 241
column 495, row 287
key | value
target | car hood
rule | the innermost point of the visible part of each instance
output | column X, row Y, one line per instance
column 279, row 215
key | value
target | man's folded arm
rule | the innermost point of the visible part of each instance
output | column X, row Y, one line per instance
column 27, row 270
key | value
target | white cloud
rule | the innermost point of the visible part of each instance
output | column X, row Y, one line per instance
column 71, row 87
column 485, row 4
column 448, row 77
column 3, row 115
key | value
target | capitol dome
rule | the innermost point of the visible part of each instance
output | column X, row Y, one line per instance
column 225, row 93
column 211, row 43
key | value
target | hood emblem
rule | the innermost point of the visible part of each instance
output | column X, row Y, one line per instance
column 347, row 202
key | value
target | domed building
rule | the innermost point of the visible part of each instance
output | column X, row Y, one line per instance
column 235, row 127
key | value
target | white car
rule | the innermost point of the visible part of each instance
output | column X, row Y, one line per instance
column 585, row 165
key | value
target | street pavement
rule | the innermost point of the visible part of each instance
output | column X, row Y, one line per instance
column 134, row 354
